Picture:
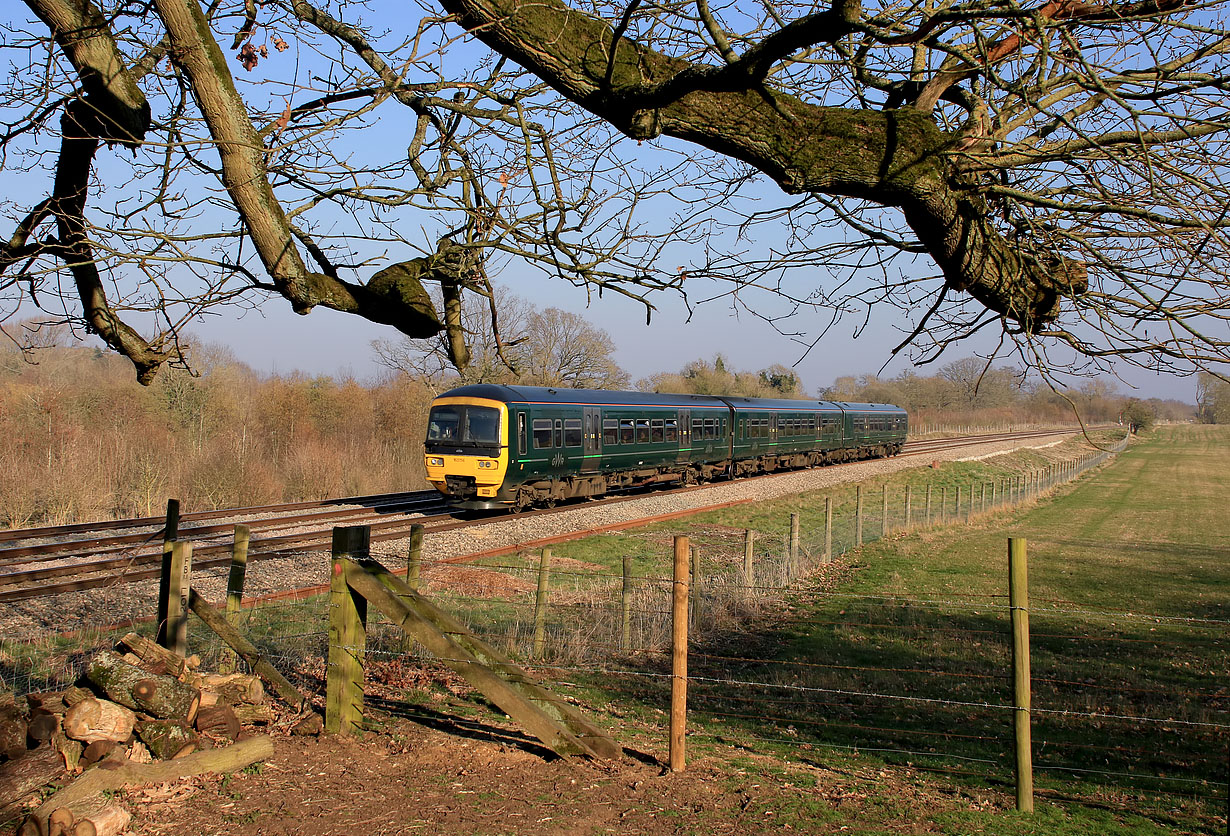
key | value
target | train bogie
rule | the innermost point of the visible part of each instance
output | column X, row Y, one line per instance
column 494, row 446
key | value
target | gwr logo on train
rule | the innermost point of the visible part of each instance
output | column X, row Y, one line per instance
column 491, row 446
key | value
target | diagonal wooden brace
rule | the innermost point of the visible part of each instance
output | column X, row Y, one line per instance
column 539, row 712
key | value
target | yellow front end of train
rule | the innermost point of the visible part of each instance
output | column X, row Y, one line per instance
column 466, row 451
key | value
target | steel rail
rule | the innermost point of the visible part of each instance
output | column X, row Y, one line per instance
column 136, row 566
column 17, row 555
column 43, row 532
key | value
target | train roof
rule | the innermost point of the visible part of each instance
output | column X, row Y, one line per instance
column 611, row 397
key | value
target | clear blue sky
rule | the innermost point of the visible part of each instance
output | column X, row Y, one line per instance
column 329, row 343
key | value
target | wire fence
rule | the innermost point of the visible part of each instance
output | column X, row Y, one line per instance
column 1129, row 709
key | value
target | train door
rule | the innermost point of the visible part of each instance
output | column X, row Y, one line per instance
column 685, row 435
column 773, row 428
column 592, row 441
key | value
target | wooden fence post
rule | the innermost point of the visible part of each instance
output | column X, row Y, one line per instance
column 540, row 603
column 234, row 590
column 794, row 543
column 828, row 529
column 347, row 635
column 858, row 516
column 909, row 507
column 928, row 505
column 625, row 621
column 694, row 586
column 749, row 570
column 1018, row 602
column 884, row 527
column 679, row 656
column 179, row 585
column 414, row 559
column 414, row 573
column 956, row 514
column 169, row 534
column 943, row 504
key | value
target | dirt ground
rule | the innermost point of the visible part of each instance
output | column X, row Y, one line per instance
column 411, row 778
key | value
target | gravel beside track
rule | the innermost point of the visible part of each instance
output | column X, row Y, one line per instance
column 125, row 603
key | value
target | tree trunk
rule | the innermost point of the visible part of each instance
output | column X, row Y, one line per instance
column 12, row 732
column 25, row 776
column 249, row 715
column 232, row 688
column 109, row 821
column 219, row 721
column 140, row 690
column 92, row 720
column 167, row 739
column 61, row 822
column 154, row 657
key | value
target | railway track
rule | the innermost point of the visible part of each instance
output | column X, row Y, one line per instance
column 46, row 561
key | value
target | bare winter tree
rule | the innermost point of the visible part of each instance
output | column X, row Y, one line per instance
column 1052, row 170
column 1061, row 162
column 528, row 345
column 162, row 160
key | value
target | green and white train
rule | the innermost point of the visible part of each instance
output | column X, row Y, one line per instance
column 493, row 446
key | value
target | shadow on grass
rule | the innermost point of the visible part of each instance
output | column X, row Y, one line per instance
column 1122, row 711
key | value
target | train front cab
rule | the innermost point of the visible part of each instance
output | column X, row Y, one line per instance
column 466, row 451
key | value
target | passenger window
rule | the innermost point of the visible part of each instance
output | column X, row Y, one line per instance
column 642, row 431
column 542, row 433
column 710, row 428
column 656, row 430
column 698, row 429
column 672, row 431
column 610, row 431
column 572, row 432
column 522, row 446
column 627, row 434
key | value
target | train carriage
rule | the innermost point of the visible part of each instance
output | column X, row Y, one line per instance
column 493, row 446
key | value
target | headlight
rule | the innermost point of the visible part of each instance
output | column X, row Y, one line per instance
column 435, row 461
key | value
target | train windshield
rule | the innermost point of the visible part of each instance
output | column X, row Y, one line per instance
column 457, row 424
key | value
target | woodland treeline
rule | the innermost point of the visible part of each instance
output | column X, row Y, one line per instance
column 962, row 392
column 83, row 441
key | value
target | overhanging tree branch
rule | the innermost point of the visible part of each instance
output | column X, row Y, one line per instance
column 897, row 158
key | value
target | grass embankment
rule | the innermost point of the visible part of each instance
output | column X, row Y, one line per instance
column 901, row 652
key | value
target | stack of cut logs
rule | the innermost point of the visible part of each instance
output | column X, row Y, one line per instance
column 148, row 704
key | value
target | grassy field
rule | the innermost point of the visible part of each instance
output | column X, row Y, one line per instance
column 900, row 653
